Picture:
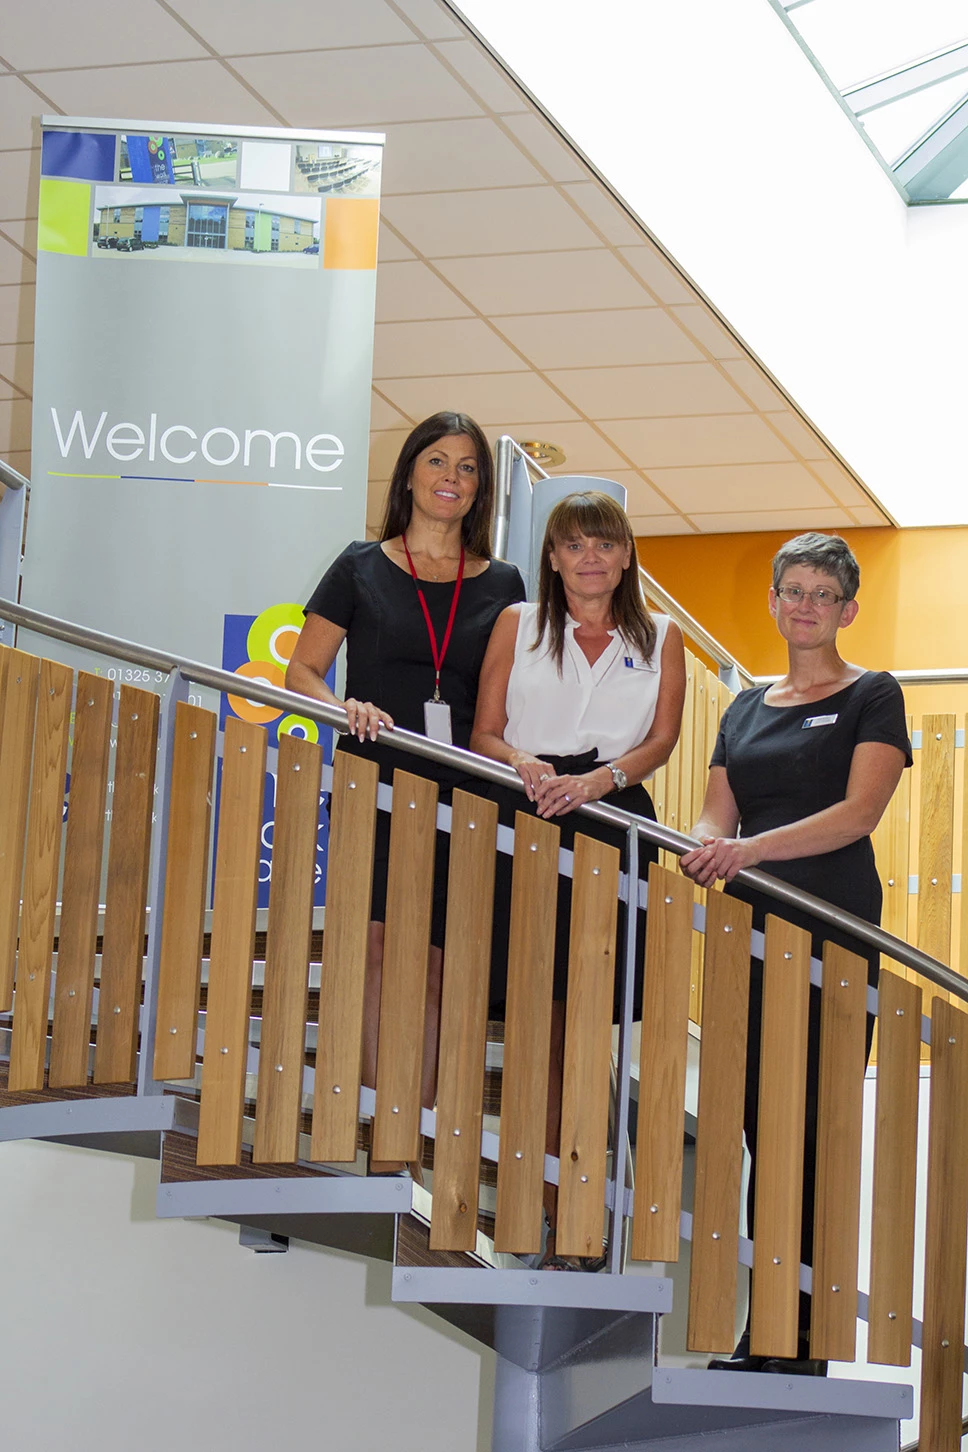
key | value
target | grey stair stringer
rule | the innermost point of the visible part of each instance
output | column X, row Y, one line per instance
column 576, row 1372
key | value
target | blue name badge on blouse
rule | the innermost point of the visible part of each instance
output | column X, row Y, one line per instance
column 819, row 721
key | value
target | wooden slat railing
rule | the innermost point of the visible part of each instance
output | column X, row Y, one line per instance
column 33, row 757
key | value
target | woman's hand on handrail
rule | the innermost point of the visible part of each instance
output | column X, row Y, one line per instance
column 315, row 650
column 720, row 857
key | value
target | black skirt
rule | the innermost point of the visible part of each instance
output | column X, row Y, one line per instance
column 631, row 799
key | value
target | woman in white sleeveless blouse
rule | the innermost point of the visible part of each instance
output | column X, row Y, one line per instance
column 582, row 694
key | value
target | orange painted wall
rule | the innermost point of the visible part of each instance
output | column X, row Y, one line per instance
column 913, row 596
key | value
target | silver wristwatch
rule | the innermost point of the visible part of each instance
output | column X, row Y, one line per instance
column 619, row 780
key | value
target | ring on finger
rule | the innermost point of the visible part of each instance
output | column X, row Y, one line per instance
column 544, row 777
column 567, row 797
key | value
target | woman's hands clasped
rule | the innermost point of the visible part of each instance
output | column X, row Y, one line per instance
column 719, row 857
column 363, row 719
column 556, row 796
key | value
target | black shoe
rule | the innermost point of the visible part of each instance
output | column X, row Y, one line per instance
column 739, row 1361
column 804, row 1366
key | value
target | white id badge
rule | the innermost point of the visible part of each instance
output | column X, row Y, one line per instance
column 437, row 722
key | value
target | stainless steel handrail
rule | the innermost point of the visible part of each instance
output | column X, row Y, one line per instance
column 12, row 477
column 478, row 766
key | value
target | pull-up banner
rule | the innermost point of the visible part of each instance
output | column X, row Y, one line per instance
column 204, row 331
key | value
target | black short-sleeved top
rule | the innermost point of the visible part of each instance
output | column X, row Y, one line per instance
column 388, row 655
column 784, row 763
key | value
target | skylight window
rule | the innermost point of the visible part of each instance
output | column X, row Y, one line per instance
column 901, row 70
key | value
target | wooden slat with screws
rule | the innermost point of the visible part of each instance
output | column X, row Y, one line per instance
column 349, row 883
column 44, row 837
column 83, row 852
column 119, row 1004
column 463, row 1023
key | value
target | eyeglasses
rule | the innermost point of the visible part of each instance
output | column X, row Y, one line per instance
column 823, row 599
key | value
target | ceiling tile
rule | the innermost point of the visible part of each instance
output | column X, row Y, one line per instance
column 370, row 87
column 801, row 439
column 664, row 281
column 385, row 445
column 23, row 232
column 643, row 526
column 613, row 222
column 19, row 109
column 409, row 350
column 242, row 29
column 586, row 452
column 14, row 265
column 432, row 19
column 201, row 91
column 797, row 521
column 463, row 224
column 866, row 515
column 518, row 398
column 19, row 184
column 725, row 439
column 63, row 33
column 708, row 331
column 840, row 483
column 600, row 339
column 484, row 76
column 642, row 498
column 391, row 247
column 14, row 426
column 409, row 291
column 454, row 155
column 558, row 159
column 760, row 391
column 8, row 390
column 17, row 313
column 748, row 486
column 545, row 282
column 17, row 363
column 383, row 416
column 649, row 392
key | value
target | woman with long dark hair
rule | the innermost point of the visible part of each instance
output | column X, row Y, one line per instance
column 415, row 610
column 582, row 694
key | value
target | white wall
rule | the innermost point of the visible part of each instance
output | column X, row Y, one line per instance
column 711, row 122
column 123, row 1333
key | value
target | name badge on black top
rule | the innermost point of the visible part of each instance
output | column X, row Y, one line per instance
column 819, row 721
column 437, row 722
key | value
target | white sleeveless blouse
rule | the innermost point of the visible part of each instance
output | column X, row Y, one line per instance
column 609, row 705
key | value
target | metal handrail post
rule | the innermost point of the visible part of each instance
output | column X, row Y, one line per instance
column 616, row 1220
column 503, row 459
column 175, row 691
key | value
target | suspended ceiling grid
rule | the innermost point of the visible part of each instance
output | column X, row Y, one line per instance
column 511, row 285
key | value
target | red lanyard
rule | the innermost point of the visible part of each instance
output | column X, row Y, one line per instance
column 437, row 655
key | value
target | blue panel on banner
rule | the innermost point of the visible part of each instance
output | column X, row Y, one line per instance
column 149, row 224
column 151, row 158
column 84, row 155
column 235, row 653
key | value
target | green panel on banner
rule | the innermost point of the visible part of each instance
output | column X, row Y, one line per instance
column 65, row 211
column 263, row 232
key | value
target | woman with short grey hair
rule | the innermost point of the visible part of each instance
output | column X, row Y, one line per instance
column 800, row 776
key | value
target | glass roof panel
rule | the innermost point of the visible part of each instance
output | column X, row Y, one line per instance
column 903, row 44
column 893, row 128
column 856, row 39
